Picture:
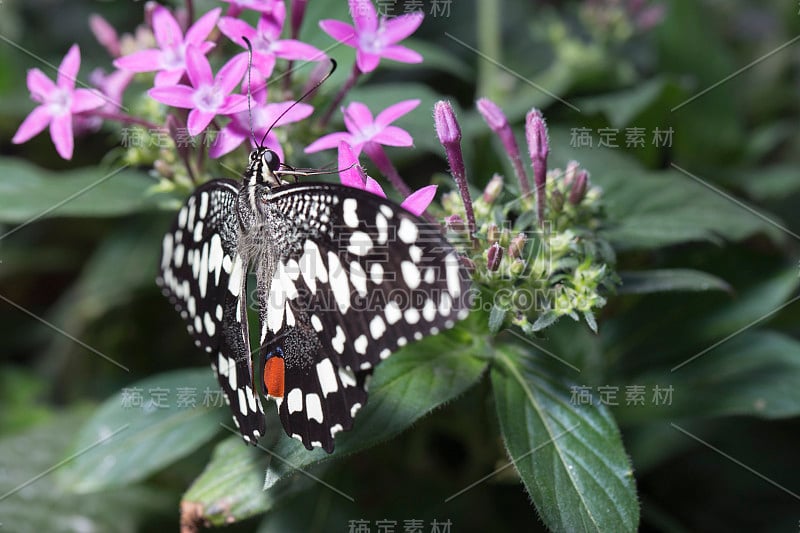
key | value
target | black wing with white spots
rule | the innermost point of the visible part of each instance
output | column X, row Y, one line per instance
column 204, row 276
column 352, row 278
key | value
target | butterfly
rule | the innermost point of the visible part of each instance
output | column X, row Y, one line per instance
column 343, row 279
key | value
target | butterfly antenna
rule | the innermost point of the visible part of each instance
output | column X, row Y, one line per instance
column 303, row 97
column 249, row 85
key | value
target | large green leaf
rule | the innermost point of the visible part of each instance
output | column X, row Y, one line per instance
column 230, row 487
column 673, row 279
column 148, row 436
column 654, row 209
column 756, row 373
column 31, row 502
column 28, row 192
column 408, row 385
column 570, row 457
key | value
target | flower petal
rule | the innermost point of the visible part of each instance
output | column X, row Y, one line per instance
column 234, row 103
column 331, row 140
column 264, row 63
column 235, row 29
column 350, row 172
column 39, row 84
column 296, row 112
column 86, row 99
column 175, row 96
column 61, row 133
column 141, row 61
column 364, row 15
column 33, row 125
column 419, row 200
column 393, row 136
column 395, row 111
column 68, row 70
column 401, row 54
column 398, row 28
column 228, row 140
column 340, row 31
column 198, row 120
column 374, row 187
column 231, row 73
column 357, row 117
column 198, row 32
column 167, row 31
column 367, row 61
column 293, row 49
column 270, row 25
column 168, row 78
column 197, row 67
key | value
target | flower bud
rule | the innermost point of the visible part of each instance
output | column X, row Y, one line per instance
column 579, row 188
column 493, row 257
column 570, row 172
column 493, row 189
column 454, row 223
column 517, row 267
column 556, row 201
column 493, row 233
column 517, row 245
column 538, row 148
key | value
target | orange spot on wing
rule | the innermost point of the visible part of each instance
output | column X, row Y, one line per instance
column 273, row 376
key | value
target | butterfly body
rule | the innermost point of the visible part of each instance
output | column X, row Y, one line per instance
column 343, row 279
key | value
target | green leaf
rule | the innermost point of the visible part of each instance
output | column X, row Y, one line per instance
column 230, row 487
column 756, row 373
column 27, row 192
column 654, row 209
column 405, row 387
column 621, row 107
column 570, row 457
column 673, row 279
column 145, row 438
column 496, row 317
column 31, row 502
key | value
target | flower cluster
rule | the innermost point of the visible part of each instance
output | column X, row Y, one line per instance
column 197, row 83
column 536, row 257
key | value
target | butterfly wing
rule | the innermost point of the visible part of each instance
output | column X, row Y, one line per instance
column 352, row 277
column 204, row 276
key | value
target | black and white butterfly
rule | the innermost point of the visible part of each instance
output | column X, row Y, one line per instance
column 344, row 278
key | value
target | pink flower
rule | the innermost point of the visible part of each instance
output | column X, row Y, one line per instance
column 362, row 129
column 374, row 38
column 170, row 56
column 208, row 96
column 264, row 6
column 263, row 115
column 352, row 175
column 59, row 102
column 266, row 40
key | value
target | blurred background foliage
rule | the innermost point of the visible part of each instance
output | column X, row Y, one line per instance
column 720, row 199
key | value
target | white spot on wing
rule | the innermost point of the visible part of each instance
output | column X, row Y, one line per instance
column 358, row 278
column 316, row 323
column 349, row 212
column 338, row 282
column 327, row 377
column 347, row 377
column 377, row 326
column 360, row 243
column 338, row 341
column 382, row 226
column 410, row 274
column 208, row 322
column 313, row 407
column 295, row 399
column 392, row 312
column 407, row 231
column 360, row 344
column 376, row 273
column 453, row 275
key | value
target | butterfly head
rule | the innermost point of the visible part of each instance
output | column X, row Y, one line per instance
column 262, row 168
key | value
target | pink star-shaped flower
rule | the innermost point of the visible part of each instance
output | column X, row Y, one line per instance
column 266, row 40
column 352, row 175
column 362, row 129
column 170, row 56
column 208, row 96
column 373, row 37
column 264, row 6
column 58, row 103
column 263, row 116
